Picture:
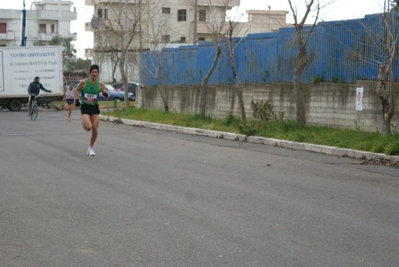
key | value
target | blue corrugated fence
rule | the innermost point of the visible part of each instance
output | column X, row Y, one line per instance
column 338, row 51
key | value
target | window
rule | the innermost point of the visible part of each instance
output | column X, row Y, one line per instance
column 201, row 38
column 166, row 10
column 182, row 39
column 202, row 15
column 42, row 28
column 181, row 15
column 100, row 13
column 52, row 28
column 165, row 38
column 3, row 27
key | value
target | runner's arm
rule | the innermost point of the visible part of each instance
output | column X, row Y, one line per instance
column 103, row 90
column 78, row 88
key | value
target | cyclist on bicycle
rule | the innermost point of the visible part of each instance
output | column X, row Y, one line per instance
column 34, row 89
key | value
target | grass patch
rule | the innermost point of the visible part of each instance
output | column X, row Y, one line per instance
column 279, row 129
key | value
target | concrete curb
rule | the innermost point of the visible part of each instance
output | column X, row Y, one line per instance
column 329, row 150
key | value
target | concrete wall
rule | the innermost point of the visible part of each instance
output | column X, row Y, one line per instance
column 330, row 104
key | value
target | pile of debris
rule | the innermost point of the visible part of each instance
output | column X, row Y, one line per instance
column 381, row 161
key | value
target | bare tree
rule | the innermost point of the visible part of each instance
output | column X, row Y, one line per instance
column 217, row 26
column 237, row 84
column 159, row 35
column 381, row 38
column 155, row 69
column 122, row 24
column 390, row 40
column 107, row 50
column 302, row 58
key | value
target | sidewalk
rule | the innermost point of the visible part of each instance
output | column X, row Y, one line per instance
column 329, row 150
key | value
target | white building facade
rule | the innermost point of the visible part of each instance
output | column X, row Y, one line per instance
column 155, row 24
column 44, row 20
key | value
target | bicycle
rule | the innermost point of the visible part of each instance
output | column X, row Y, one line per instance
column 33, row 109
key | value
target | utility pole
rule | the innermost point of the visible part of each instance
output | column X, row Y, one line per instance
column 126, row 82
column 195, row 22
column 23, row 38
column 126, row 44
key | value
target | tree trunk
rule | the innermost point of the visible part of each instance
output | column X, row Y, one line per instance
column 114, row 68
column 124, row 78
column 204, row 83
column 301, row 59
column 386, row 117
column 162, row 89
column 203, row 97
column 299, row 94
column 234, row 71
column 387, row 99
column 165, row 97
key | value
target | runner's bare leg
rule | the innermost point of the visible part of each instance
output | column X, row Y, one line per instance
column 86, row 122
column 95, row 120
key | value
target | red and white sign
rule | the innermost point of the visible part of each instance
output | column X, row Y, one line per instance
column 359, row 98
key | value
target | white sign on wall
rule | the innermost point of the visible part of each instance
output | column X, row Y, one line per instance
column 359, row 98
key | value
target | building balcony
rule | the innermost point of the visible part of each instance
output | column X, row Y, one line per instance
column 206, row 27
column 217, row 3
column 7, row 36
column 49, row 36
column 105, row 25
column 10, row 14
column 53, row 15
column 107, row 2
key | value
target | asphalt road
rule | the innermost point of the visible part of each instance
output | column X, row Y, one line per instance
column 155, row 198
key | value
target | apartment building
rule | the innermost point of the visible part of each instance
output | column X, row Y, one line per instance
column 156, row 24
column 44, row 20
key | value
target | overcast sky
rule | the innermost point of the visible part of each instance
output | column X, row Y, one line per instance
column 339, row 10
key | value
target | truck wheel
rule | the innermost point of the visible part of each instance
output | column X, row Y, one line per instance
column 14, row 105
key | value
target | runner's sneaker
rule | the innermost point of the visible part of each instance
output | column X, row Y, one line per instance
column 68, row 118
column 90, row 152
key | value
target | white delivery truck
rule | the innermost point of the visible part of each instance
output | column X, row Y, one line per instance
column 18, row 68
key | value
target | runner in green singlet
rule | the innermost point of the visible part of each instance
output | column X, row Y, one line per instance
column 90, row 88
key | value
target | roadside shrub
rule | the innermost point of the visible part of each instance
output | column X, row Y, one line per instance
column 249, row 127
column 231, row 120
column 263, row 116
column 263, row 112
